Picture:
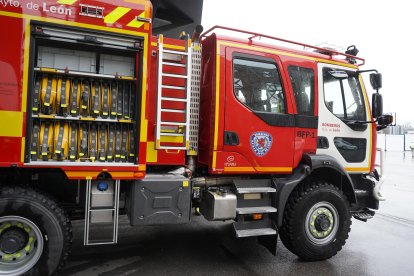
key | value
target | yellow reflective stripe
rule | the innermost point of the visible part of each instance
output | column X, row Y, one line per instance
column 152, row 154
column 169, row 46
column 367, row 107
column 172, row 139
column 217, row 107
column 239, row 169
column 351, row 169
column 23, row 148
column 259, row 169
column 11, row 123
column 135, row 23
column 66, row 2
column 273, row 169
column 116, row 14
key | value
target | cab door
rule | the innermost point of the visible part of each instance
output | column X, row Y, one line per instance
column 258, row 124
column 343, row 112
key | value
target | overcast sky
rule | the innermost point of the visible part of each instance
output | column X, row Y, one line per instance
column 383, row 31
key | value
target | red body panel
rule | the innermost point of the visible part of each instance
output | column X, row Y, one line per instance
column 207, row 101
column 10, row 64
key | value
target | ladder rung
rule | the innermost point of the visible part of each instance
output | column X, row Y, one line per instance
column 172, row 110
column 174, row 64
column 171, row 147
column 174, row 76
column 175, row 52
column 172, row 134
column 101, row 209
column 173, row 87
column 173, row 123
column 173, row 99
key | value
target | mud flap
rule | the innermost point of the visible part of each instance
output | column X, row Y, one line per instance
column 269, row 242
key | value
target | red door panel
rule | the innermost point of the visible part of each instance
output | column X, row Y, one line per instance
column 258, row 128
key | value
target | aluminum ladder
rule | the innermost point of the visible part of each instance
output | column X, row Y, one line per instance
column 180, row 60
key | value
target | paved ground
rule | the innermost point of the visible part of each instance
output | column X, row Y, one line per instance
column 382, row 246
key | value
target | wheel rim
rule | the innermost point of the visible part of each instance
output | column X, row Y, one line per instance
column 21, row 245
column 322, row 223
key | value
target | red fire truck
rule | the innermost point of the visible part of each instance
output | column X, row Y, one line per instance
column 100, row 118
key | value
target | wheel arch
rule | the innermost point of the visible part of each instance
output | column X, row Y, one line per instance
column 313, row 166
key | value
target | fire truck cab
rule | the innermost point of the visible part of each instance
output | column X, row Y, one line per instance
column 100, row 118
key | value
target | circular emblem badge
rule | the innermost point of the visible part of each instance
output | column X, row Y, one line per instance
column 261, row 142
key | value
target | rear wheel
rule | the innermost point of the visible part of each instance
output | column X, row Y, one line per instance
column 316, row 222
column 35, row 234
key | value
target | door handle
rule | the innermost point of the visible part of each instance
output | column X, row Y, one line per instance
column 231, row 138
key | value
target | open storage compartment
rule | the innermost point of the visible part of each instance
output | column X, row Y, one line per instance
column 83, row 97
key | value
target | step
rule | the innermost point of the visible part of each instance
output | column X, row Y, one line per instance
column 255, row 232
column 174, row 76
column 172, row 134
column 364, row 215
column 173, row 99
column 172, row 110
column 256, row 210
column 361, row 192
column 173, row 123
column 101, row 209
column 173, row 87
column 253, row 190
column 173, row 64
column 173, row 147
column 175, row 52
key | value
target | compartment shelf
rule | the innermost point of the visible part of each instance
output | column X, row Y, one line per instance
column 82, row 74
column 80, row 118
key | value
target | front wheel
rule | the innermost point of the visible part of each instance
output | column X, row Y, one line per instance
column 35, row 234
column 316, row 222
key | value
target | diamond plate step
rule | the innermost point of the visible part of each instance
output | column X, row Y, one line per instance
column 252, row 190
column 255, row 232
column 256, row 210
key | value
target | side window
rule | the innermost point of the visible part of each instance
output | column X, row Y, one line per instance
column 302, row 80
column 343, row 96
column 257, row 85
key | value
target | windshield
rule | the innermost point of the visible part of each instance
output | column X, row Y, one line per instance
column 343, row 96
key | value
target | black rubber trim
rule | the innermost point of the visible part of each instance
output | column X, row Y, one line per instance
column 288, row 120
column 282, row 120
column 306, row 121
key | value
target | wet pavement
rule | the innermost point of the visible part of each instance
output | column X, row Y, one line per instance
column 382, row 246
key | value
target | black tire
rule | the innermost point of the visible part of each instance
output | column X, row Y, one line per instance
column 299, row 221
column 50, row 219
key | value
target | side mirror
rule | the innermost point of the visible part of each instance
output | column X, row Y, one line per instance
column 376, row 105
column 376, row 80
